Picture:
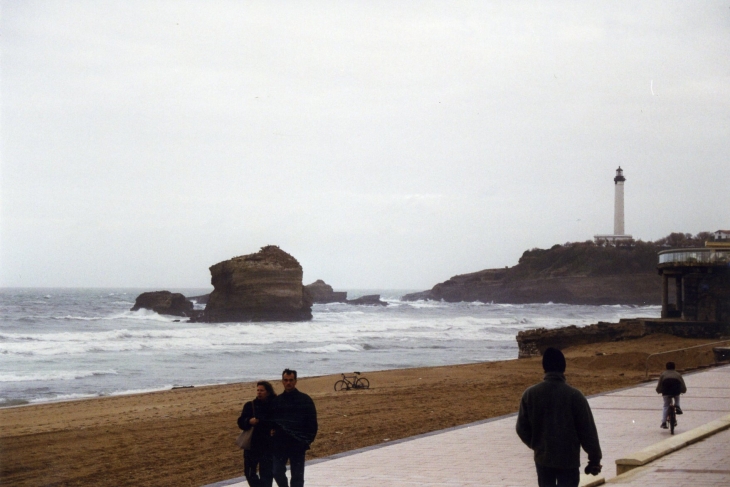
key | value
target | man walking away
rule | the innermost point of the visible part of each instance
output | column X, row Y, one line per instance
column 555, row 421
column 670, row 385
column 295, row 426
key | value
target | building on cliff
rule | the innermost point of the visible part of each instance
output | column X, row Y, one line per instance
column 701, row 281
column 618, row 213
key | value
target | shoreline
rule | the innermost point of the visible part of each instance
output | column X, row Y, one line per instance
column 241, row 384
column 34, row 402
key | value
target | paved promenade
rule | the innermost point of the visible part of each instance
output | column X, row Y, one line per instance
column 702, row 464
column 489, row 453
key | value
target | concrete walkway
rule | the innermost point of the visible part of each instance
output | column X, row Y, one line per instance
column 698, row 465
column 489, row 453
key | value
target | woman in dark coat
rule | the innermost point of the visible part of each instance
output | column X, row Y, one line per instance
column 255, row 413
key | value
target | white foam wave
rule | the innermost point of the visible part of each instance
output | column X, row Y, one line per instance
column 63, row 397
column 140, row 391
column 426, row 304
column 141, row 314
column 331, row 348
column 326, row 329
column 53, row 375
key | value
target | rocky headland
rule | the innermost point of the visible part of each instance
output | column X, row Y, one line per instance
column 264, row 286
column 574, row 273
column 487, row 286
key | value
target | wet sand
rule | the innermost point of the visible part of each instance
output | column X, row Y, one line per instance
column 185, row 436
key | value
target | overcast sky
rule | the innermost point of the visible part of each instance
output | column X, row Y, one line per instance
column 382, row 144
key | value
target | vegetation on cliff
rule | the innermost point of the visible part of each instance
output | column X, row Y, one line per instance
column 592, row 259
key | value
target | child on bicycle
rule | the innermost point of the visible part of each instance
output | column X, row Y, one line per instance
column 670, row 386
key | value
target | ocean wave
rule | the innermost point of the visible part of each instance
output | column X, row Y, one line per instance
column 141, row 314
column 63, row 397
column 426, row 304
column 124, row 392
column 330, row 348
column 78, row 318
column 54, row 375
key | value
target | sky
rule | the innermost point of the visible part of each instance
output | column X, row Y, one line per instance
column 383, row 144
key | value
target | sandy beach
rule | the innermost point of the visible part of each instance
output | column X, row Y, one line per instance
column 185, row 436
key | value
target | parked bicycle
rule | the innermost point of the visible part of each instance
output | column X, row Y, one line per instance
column 352, row 382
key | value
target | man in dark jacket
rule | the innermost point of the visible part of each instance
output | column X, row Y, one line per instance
column 670, row 385
column 295, row 426
column 555, row 420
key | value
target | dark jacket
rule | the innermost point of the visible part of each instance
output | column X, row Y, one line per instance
column 295, row 420
column 261, row 440
column 555, row 420
column 672, row 375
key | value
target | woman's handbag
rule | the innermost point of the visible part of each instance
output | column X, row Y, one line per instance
column 244, row 439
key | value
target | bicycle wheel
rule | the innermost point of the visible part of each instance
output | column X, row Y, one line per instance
column 362, row 383
column 339, row 385
column 672, row 418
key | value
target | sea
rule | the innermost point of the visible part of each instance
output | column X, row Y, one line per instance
column 65, row 344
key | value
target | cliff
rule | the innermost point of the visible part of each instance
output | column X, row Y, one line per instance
column 574, row 273
column 265, row 286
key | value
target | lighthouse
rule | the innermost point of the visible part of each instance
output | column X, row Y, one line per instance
column 618, row 212
column 618, row 202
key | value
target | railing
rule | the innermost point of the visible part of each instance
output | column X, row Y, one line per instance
column 695, row 256
column 646, row 371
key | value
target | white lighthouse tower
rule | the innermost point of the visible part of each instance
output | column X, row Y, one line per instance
column 618, row 212
column 618, row 203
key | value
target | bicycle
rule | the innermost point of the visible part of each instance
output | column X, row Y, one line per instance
column 352, row 382
column 672, row 415
column 671, row 389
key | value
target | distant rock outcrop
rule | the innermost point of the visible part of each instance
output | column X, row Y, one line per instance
column 165, row 303
column 368, row 300
column 265, row 286
column 322, row 293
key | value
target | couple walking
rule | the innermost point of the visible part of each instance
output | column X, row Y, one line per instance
column 284, row 427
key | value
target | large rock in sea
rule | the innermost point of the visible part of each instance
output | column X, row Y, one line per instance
column 368, row 300
column 322, row 293
column 265, row 286
column 165, row 303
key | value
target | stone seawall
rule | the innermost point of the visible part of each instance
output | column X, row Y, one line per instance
column 533, row 342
